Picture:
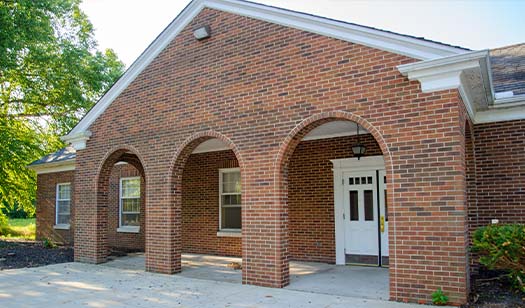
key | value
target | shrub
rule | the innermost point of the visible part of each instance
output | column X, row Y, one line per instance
column 49, row 244
column 502, row 247
column 439, row 298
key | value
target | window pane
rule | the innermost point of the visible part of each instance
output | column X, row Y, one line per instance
column 369, row 205
column 231, row 218
column 131, row 188
column 64, row 192
column 354, row 207
column 130, row 220
column 231, row 199
column 231, row 182
column 131, row 205
column 62, row 219
column 63, row 207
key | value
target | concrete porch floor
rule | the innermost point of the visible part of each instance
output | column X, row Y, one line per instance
column 350, row 281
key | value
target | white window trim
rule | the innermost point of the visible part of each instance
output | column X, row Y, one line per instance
column 57, row 198
column 121, row 228
column 227, row 231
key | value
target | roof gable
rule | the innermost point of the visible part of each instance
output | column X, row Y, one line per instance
column 396, row 43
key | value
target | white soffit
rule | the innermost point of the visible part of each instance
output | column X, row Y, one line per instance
column 211, row 145
column 334, row 129
column 61, row 166
column 383, row 40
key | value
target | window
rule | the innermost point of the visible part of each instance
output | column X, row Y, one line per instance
column 63, row 204
column 230, row 199
column 130, row 202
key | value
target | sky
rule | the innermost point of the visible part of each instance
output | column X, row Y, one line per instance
column 129, row 26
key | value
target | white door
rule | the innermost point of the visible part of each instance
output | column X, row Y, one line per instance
column 361, row 217
column 365, row 217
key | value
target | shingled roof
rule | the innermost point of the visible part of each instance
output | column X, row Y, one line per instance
column 508, row 69
column 65, row 154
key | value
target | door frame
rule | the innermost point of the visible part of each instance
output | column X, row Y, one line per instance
column 348, row 165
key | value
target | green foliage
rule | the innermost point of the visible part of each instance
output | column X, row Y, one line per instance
column 503, row 247
column 14, row 210
column 439, row 298
column 49, row 244
column 50, row 75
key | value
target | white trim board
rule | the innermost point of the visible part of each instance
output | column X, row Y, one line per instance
column 383, row 40
column 66, row 165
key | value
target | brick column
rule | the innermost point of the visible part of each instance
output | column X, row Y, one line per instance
column 163, row 225
column 264, row 223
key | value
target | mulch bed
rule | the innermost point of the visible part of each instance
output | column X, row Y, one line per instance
column 20, row 254
column 492, row 289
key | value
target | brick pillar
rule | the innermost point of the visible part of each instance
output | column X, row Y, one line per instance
column 264, row 223
column 163, row 225
column 90, row 212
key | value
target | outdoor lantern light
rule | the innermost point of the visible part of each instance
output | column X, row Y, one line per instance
column 202, row 32
column 358, row 149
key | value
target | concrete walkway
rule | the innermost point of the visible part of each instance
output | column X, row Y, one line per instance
column 350, row 281
column 76, row 284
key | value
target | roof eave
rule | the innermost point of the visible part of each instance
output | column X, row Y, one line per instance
column 53, row 167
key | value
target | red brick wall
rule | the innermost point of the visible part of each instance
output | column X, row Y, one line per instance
column 311, row 195
column 200, row 205
column 121, row 240
column 500, row 173
column 255, row 85
column 46, row 205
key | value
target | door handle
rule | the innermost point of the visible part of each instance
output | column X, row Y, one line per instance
column 382, row 224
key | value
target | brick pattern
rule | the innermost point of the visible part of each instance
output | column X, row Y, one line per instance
column 311, row 195
column 46, row 206
column 119, row 240
column 200, row 205
column 260, row 87
column 500, row 173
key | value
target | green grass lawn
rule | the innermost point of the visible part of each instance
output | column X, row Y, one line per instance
column 21, row 228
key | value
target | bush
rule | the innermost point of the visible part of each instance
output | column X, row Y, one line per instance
column 502, row 247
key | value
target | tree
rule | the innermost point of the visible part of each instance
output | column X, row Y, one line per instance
column 50, row 75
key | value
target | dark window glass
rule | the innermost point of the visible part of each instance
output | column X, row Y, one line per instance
column 363, row 180
column 369, row 205
column 357, row 182
column 354, row 207
column 231, row 218
column 351, row 181
column 369, row 180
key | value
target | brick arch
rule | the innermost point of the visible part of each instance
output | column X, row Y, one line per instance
column 288, row 146
column 122, row 153
column 177, row 168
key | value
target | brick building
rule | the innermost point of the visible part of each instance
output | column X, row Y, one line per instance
column 252, row 131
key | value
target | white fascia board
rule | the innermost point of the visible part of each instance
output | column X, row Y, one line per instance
column 501, row 114
column 447, row 73
column 399, row 44
column 65, row 165
column 396, row 43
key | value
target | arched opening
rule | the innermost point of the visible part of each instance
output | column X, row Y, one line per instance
column 121, row 208
column 338, row 206
column 208, row 192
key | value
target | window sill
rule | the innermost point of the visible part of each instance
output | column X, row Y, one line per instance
column 61, row 227
column 229, row 233
column 128, row 229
